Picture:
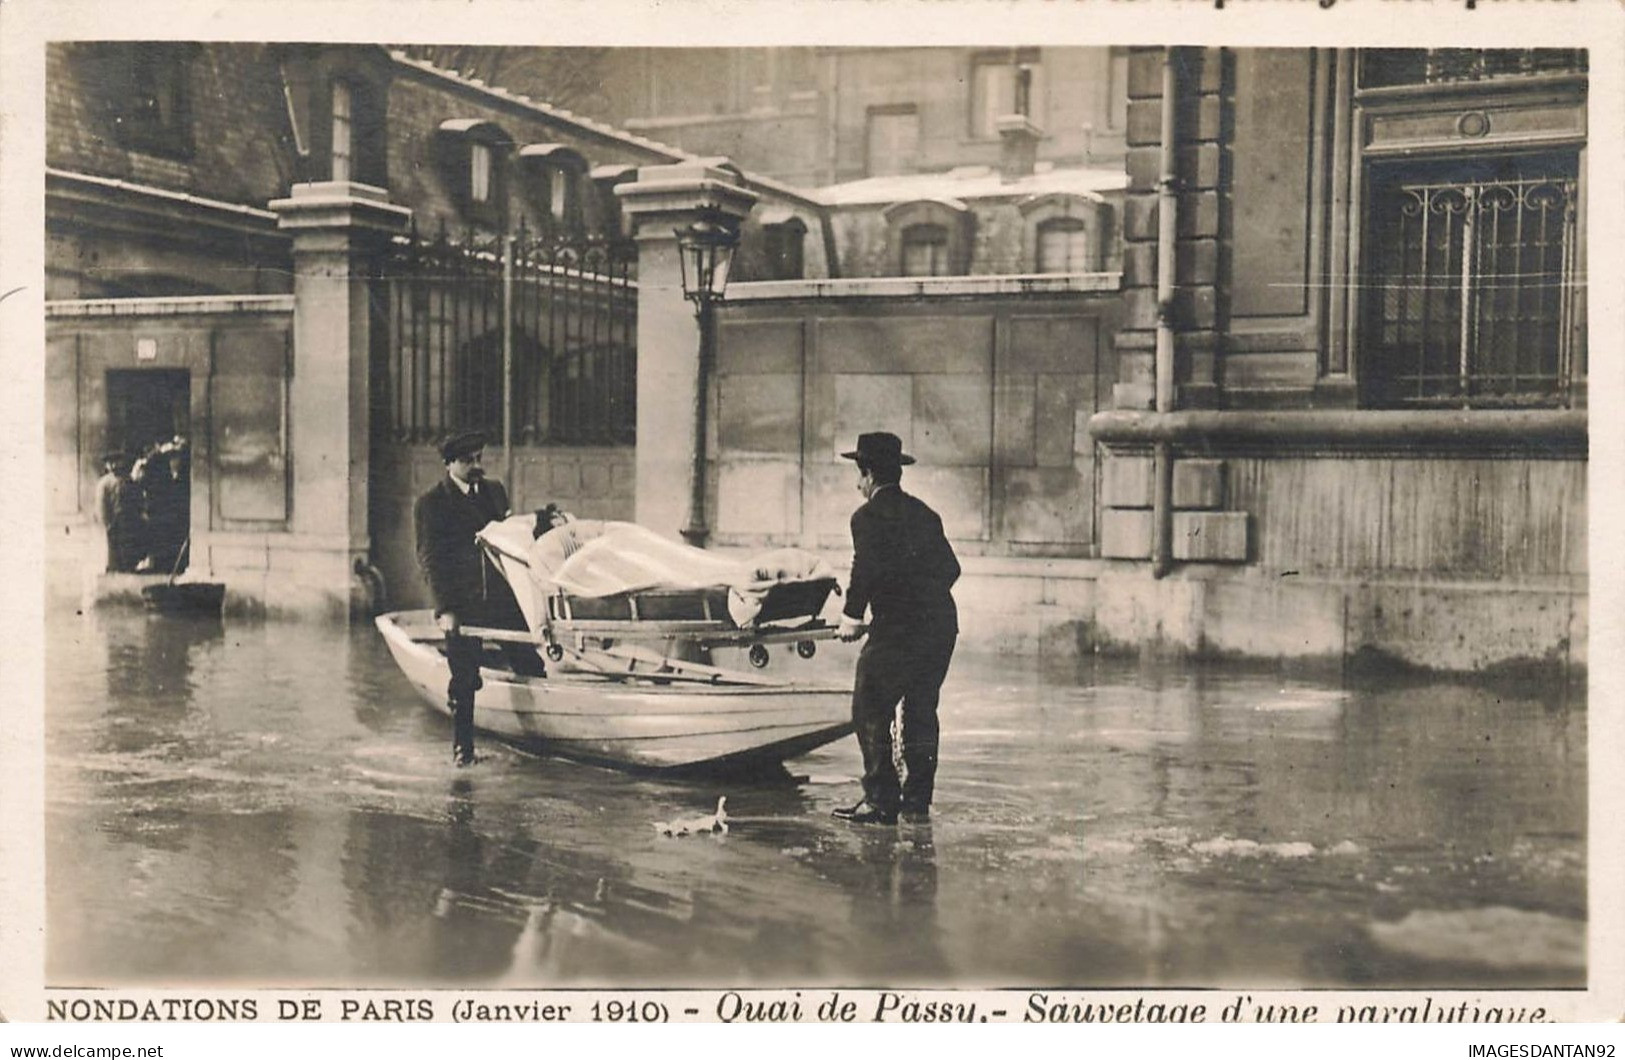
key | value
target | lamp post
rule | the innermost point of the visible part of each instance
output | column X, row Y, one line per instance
column 705, row 251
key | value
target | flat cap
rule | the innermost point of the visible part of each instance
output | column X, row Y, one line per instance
column 459, row 444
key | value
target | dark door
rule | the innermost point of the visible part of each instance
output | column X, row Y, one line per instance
column 149, row 415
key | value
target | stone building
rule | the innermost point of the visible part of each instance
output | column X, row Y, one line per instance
column 1351, row 409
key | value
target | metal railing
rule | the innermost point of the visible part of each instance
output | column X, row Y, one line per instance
column 1474, row 286
column 1391, row 67
column 526, row 334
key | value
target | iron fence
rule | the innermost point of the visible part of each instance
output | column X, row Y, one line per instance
column 527, row 334
column 1476, row 291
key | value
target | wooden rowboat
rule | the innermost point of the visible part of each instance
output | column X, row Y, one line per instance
column 622, row 705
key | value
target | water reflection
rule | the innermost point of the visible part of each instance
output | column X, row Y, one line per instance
column 270, row 803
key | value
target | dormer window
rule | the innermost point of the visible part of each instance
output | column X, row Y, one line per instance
column 783, row 244
column 925, row 250
column 473, row 152
column 1063, row 246
column 1064, row 231
column 152, row 98
column 930, row 237
column 553, row 175
column 479, row 173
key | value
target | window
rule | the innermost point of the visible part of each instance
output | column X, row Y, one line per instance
column 893, row 140
column 343, row 132
column 1063, row 246
column 930, row 237
column 783, row 245
column 925, row 250
column 1387, row 67
column 474, row 154
column 1001, row 84
column 154, row 99
column 479, row 173
column 1473, row 286
column 1117, row 94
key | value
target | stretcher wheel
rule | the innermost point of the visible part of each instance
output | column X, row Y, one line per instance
column 758, row 655
column 806, row 649
column 555, row 652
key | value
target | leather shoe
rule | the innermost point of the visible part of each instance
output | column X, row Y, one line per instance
column 916, row 814
column 863, row 813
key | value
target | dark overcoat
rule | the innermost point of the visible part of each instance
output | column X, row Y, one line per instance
column 902, row 568
column 461, row 579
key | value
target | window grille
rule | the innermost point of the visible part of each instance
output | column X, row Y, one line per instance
column 573, row 334
column 1473, row 278
column 1388, row 67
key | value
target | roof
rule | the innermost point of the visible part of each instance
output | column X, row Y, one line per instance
column 972, row 182
column 602, row 130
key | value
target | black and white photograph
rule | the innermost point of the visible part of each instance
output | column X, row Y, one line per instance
column 1014, row 531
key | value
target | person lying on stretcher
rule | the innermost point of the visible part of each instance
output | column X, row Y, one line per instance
column 597, row 558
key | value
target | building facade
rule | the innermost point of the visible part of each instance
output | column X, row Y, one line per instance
column 1353, row 359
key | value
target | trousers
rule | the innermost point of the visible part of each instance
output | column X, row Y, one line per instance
column 906, row 668
column 463, row 654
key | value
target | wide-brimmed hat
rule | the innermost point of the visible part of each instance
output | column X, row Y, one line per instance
column 459, row 444
column 879, row 447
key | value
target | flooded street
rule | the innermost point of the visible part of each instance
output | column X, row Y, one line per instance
column 271, row 804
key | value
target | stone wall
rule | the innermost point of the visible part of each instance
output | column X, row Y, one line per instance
column 990, row 392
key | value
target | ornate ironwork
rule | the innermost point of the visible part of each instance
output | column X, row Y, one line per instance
column 1389, row 67
column 1476, row 291
column 570, row 318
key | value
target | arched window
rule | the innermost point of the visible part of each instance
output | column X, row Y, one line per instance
column 1065, row 231
column 1063, row 246
column 474, row 155
column 555, row 176
column 925, row 250
column 930, row 237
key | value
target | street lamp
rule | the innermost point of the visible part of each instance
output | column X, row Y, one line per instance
column 705, row 251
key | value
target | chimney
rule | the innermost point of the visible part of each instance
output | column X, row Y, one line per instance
column 1018, row 149
column 1018, row 135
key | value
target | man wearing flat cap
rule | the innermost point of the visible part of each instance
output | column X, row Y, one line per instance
column 902, row 572
column 467, row 589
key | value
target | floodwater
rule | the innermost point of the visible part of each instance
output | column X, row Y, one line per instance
column 270, row 804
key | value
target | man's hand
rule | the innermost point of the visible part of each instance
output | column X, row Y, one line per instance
column 448, row 622
column 851, row 629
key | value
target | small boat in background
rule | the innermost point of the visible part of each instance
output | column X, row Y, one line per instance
column 173, row 597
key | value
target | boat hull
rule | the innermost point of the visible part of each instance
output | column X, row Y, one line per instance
column 639, row 724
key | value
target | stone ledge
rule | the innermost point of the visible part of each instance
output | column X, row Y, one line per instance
column 1557, row 433
column 926, row 287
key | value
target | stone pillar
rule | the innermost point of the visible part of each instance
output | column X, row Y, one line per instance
column 663, row 200
column 338, row 230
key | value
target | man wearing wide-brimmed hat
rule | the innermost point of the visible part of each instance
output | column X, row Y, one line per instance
column 902, row 572
column 467, row 590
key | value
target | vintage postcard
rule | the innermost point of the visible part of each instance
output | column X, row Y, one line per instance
column 923, row 512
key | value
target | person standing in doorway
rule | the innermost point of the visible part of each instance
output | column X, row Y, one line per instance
column 467, row 589
column 903, row 571
column 119, row 510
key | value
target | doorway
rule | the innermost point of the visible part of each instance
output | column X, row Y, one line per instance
column 149, row 417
